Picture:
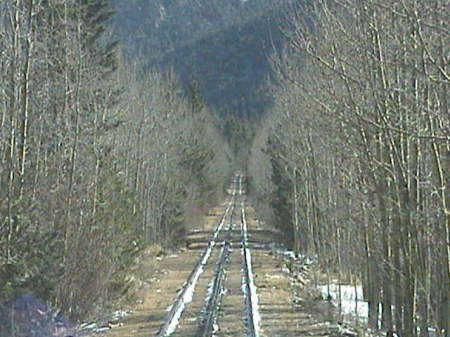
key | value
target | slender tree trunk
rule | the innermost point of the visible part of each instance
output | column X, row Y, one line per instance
column 24, row 104
column 296, row 223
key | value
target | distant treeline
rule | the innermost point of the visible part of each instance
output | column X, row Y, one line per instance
column 223, row 45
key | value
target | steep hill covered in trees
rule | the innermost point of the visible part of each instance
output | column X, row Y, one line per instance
column 222, row 45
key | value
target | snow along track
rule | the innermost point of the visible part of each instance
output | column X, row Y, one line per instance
column 248, row 283
column 238, row 302
column 229, row 305
column 250, row 313
column 185, row 295
column 251, row 298
column 208, row 323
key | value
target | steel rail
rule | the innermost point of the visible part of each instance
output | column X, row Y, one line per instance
column 249, row 301
column 206, row 326
column 250, row 295
column 207, row 323
column 178, row 305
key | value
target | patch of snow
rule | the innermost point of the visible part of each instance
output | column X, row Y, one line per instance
column 351, row 299
column 243, row 287
column 187, row 298
column 175, row 320
column 289, row 254
column 215, row 328
column 285, row 269
column 253, row 295
column 308, row 261
column 120, row 314
column 210, row 290
column 88, row 326
column 432, row 332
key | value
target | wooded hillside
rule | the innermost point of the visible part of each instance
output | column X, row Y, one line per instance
column 223, row 45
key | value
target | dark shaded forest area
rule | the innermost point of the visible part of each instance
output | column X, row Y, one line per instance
column 224, row 46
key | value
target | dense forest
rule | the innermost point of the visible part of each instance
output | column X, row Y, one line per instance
column 97, row 158
column 120, row 120
column 354, row 158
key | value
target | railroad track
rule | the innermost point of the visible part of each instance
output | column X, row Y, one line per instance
column 221, row 284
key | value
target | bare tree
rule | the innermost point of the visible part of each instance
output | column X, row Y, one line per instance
column 361, row 86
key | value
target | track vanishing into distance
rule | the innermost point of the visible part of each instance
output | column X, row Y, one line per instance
column 220, row 290
column 234, row 278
